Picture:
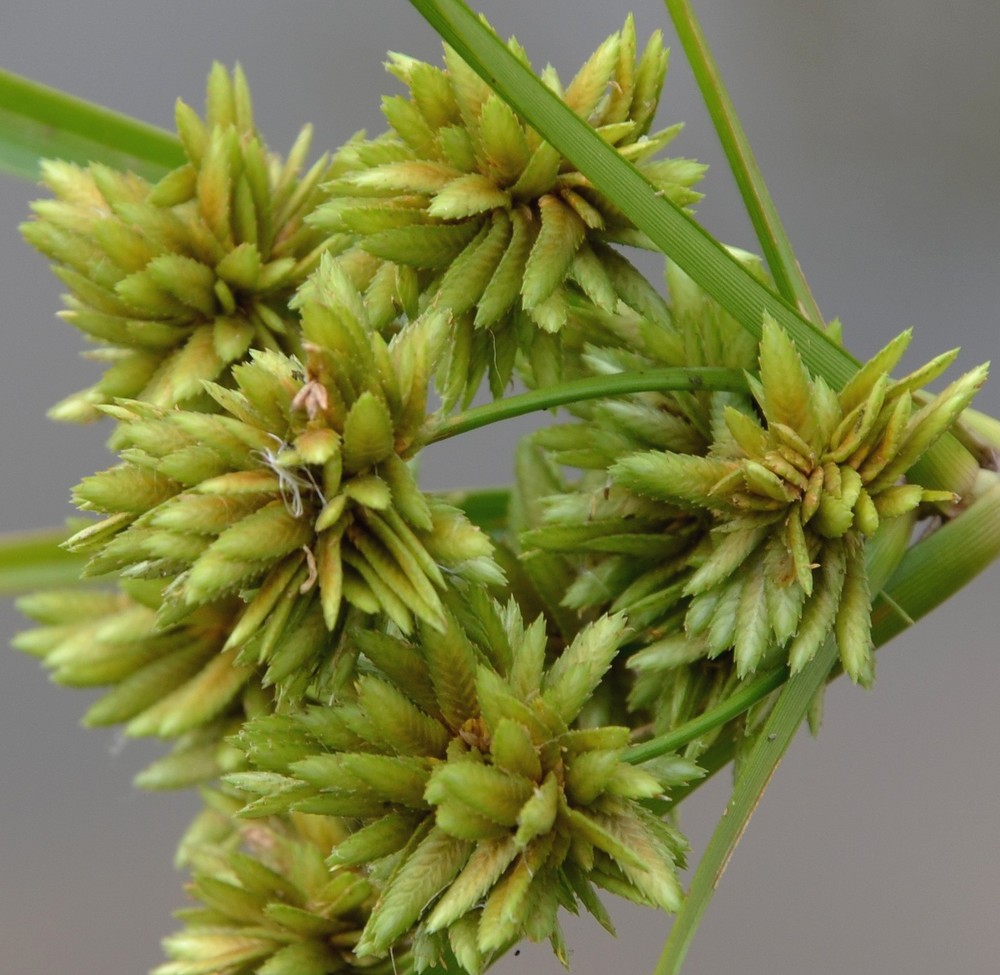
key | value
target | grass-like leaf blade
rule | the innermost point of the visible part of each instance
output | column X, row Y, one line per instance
column 38, row 122
column 774, row 242
column 34, row 560
column 767, row 751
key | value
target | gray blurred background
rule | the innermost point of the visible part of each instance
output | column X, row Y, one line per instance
column 875, row 122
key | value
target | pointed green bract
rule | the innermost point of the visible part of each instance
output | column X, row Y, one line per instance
column 265, row 897
column 791, row 498
column 295, row 516
column 428, row 779
column 173, row 682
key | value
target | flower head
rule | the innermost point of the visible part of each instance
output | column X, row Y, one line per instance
column 297, row 496
column 630, row 552
column 465, row 203
column 481, row 806
column 793, row 491
column 267, row 900
column 178, row 280
column 175, row 682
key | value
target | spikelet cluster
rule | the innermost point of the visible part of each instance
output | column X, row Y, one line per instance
column 621, row 551
column 175, row 281
column 296, row 496
column 795, row 482
column 268, row 903
column 632, row 549
column 417, row 778
column 175, row 682
column 481, row 807
column 465, row 203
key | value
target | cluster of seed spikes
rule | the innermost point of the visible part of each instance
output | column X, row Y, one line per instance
column 612, row 549
column 297, row 495
column 175, row 682
column 482, row 808
column 269, row 902
column 793, row 491
column 466, row 204
column 409, row 776
column 178, row 280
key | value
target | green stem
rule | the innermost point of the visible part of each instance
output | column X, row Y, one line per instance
column 732, row 707
column 756, row 772
column 714, row 760
column 38, row 122
column 928, row 574
column 986, row 427
column 762, row 761
column 596, row 387
column 774, row 242
column 942, row 563
column 670, row 228
column 35, row 560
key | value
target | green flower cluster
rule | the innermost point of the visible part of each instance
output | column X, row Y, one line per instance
column 794, row 486
column 482, row 808
column 176, row 281
column 411, row 775
column 268, row 901
column 465, row 203
column 295, row 496
column 176, row 682
column 622, row 551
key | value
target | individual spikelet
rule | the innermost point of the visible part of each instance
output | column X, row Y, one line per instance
column 297, row 496
column 178, row 280
column 267, row 901
column 481, row 807
column 464, row 203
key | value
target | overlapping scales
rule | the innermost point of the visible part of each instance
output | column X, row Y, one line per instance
column 177, row 281
column 296, row 497
column 266, row 900
column 794, row 484
column 175, row 682
column 633, row 551
column 465, row 205
column 481, row 807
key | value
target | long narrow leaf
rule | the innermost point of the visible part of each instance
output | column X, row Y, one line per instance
column 38, row 122
column 774, row 242
column 929, row 573
column 34, row 560
column 760, row 765
column 702, row 257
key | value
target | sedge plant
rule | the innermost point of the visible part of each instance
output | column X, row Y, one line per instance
column 426, row 725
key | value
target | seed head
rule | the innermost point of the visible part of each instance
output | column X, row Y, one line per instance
column 179, row 280
column 795, row 483
column 481, row 806
column 175, row 682
column 296, row 496
column 464, row 203
column 267, row 902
